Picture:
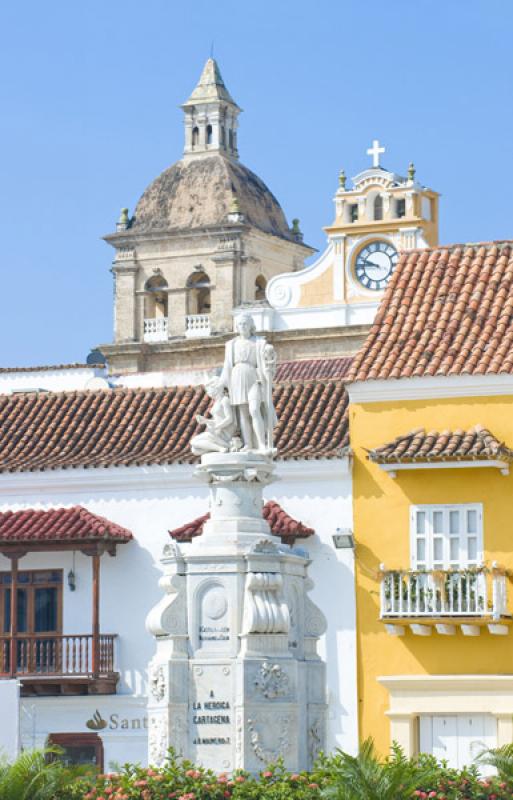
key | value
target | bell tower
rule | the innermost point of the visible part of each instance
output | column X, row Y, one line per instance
column 381, row 214
column 210, row 116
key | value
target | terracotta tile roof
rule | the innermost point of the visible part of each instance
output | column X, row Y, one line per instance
column 74, row 524
column 49, row 367
column 311, row 369
column 126, row 427
column 280, row 522
column 447, row 311
column 476, row 444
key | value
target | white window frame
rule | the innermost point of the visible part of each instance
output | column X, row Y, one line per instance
column 443, row 548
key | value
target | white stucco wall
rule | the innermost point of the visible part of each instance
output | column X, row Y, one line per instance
column 49, row 380
column 150, row 502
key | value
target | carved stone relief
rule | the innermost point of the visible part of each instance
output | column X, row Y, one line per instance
column 272, row 681
column 157, row 740
column 158, row 682
column 316, row 737
column 276, row 728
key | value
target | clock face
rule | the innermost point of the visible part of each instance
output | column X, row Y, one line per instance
column 374, row 265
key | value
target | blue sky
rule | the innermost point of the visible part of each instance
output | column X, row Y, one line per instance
column 89, row 98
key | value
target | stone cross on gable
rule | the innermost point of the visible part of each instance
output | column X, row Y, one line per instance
column 375, row 152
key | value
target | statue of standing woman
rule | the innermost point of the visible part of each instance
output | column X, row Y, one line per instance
column 248, row 371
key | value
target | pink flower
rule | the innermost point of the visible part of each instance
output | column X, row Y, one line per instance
column 295, row 777
column 313, row 785
column 267, row 774
column 240, row 779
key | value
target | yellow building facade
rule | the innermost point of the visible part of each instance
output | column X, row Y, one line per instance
column 431, row 418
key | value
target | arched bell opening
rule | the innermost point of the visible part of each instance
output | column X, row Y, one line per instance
column 260, row 287
column 198, row 293
column 378, row 207
column 156, row 299
column 155, row 309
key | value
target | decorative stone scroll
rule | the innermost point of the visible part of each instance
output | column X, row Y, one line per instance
column 266, row 611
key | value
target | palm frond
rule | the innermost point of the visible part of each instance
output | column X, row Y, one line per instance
column 501, row 758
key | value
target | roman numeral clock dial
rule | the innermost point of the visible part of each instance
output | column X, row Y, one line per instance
column 374, row 265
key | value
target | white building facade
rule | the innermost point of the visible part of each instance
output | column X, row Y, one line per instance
column 149, row 500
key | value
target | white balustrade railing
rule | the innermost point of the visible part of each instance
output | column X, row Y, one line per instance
column 443, row 593
column 155, row 329
column 197, row 325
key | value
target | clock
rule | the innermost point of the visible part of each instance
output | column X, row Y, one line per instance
column 374, row 264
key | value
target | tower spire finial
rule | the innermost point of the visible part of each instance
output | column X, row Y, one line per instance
column 211, row 115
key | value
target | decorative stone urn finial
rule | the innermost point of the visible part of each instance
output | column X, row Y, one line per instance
column 235, row 205
column 342, row 180
column 123, row 221
column 411, row 171
column 234, row 212
column 296, row 231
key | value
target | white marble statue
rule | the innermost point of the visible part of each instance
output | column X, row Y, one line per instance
column 248, row 371
column 220, row 428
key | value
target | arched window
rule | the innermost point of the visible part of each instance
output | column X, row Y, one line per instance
column 223, row 136
column 400, row 208
column 155, row 301
column 378, row 207
column 209, row 134
column 260, row 285
column 195, row 137
column 198, row 294
column 230, row 139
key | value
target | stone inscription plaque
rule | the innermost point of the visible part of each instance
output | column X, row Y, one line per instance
column 213, row 618
column 211, row 715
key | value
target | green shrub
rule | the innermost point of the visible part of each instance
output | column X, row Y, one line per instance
column 338, row 776
column 36, row 775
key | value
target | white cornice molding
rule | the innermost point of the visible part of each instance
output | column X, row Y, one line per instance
column 430, row 388
column 137, row 480
column 394, row 467
column 404, row 685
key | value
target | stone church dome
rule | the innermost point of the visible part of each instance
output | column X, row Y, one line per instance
column 209, row 182
column 200, row 192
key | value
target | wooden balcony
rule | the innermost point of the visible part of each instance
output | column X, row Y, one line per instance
column 52, row 664
column 442, row 599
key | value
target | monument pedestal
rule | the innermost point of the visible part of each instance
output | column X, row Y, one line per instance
column 236, row 681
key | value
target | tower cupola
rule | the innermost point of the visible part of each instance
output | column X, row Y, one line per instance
column 211, row 116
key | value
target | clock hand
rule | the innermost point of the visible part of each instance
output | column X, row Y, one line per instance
column 373, row 264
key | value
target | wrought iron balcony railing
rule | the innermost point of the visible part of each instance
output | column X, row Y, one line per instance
column 478, row 595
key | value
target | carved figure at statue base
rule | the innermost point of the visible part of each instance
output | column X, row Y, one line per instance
column 220, row 428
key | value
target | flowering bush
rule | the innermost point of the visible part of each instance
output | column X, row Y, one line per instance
column 182, row 780
column 335, row 777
